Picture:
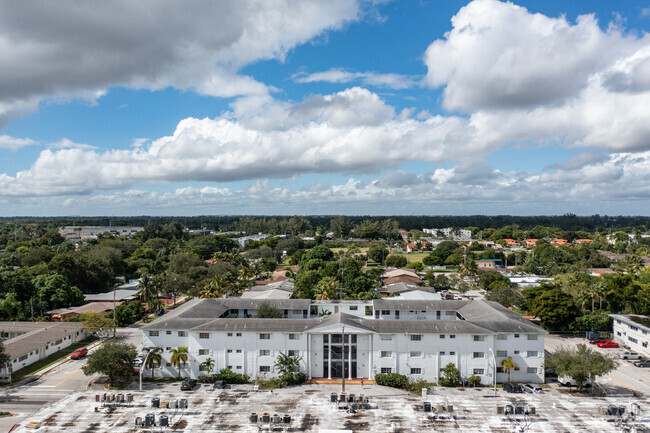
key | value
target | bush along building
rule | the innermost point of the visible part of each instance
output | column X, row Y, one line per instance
column 417, row 338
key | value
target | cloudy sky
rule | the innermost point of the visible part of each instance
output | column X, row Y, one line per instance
column 324, row 107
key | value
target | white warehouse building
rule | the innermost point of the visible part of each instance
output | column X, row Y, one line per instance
column 633, row 331
column 416, row 338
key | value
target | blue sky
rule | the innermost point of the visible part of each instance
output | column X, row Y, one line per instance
column 325, row 107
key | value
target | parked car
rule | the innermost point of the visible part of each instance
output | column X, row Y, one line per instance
column 630, row 355
column 642, row 363
column 597, row 340
column 550, row 373
column 188, row 385
column 531, row 388
column 569, row 381
column 220, row 384
column 79, row 353
column 511, row 387
column 607, row 344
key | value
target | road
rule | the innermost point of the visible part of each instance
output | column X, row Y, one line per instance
column 624, row 380
column 54, row 385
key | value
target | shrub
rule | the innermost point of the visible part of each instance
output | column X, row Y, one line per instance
column 474, row 381
column 415, row 385
column 450, row 376
column 393, row 380
column 226, row 375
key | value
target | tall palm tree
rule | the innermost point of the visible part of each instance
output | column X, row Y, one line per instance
column 208, row 364
column 179, row 358
column 509, row 364
column 154, row 359
column 220, row 286
column 148, row 288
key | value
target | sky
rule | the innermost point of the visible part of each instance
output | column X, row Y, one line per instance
column 255, row 107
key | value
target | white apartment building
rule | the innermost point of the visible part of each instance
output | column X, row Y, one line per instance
column 632, row 331
column 416, row 338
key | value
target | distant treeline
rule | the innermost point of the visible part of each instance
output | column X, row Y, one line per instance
column 280, row 224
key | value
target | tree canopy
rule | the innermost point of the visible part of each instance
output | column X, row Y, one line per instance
column 114, row 360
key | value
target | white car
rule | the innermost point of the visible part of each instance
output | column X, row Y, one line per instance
column 532, row 388
column 630, row 355
column 569, row 381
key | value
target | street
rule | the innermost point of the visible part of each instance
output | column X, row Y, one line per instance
column 63, row 380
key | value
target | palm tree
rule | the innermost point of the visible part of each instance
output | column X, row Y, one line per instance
column 154, row 359
column 326, row 289
column 179, row 358
column 509, row 364
column 208, row 364
column 217, row 288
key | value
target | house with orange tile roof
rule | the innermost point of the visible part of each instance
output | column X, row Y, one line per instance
column 583, row 241
column 531, row 242
column 559, row 242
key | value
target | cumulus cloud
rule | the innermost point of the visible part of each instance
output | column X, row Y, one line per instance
column 335, row 75
column 13, row 143
column 499, row 55
column 66, row 143
column 67, row 48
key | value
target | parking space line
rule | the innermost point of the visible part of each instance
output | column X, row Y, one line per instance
column 69, row 377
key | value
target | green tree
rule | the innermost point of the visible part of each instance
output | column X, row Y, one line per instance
column 378, row 253
column 4, row 357
column 508, row 365
column 450, row 375
column 179, row 358
column 208, row 365
column 580, row 363
column 267, row 311
column 95, row 322
column 396, row 261
column 287, row 367
column 154, row 359
column 556, row 310
column 506, row 296
column 115, row 360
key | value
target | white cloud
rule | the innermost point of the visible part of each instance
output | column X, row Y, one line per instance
column 391, row 81
column 13, row 143
column 66, row 143
column 499, row 55
column 68, row 49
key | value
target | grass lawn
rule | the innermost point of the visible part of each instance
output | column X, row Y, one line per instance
column 50, row 360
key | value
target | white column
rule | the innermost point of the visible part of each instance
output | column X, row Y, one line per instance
column 308, row 355
column 329, row 356
column 350, row 357
column 370, row 357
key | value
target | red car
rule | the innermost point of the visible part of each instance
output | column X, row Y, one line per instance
column 607, row 344
column 79, row 353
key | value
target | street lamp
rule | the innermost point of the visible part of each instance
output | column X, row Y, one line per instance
column 494, row 360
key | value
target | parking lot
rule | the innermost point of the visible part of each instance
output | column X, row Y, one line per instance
column 311, row 410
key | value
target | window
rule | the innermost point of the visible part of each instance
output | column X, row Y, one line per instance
column 265, row 368
column 442, row 336
column 229, row 351
column 204, row 351
column 644, row 344
column 238, row 350
column 168, row 364
column 618, row 333
column 633, row 340
column 531, row 354
column 502, row 353
column 22, row 358
column 169, row 349
column 499, row 369
column 478, row 371
column 415, row 354
column 202, row 367
column 385, row 312
column 531, row 370
column 633, row 328
column 239, row 334
column 386, row 354
column 416, row 371
column 293, row 352
column 502, row 336
column 442, row 353
column 416, row 337
column 386, row 337
column 154, row 333
column 516, row 335
column 531, row 337
column 353, row 307
column 452, row 353
column 204, row 335
column 265, row 352
column 230, row 334
column 168, row 332
column 294, row 336
column 478, row 355
column 516, row 352
column 265, row 336
column 386, row 370
column 368, row 310
column 182, row 333
column 452, row 336
column 479, row 338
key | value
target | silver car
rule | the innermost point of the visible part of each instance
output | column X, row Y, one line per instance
column 630, row 355
column 532, row 388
